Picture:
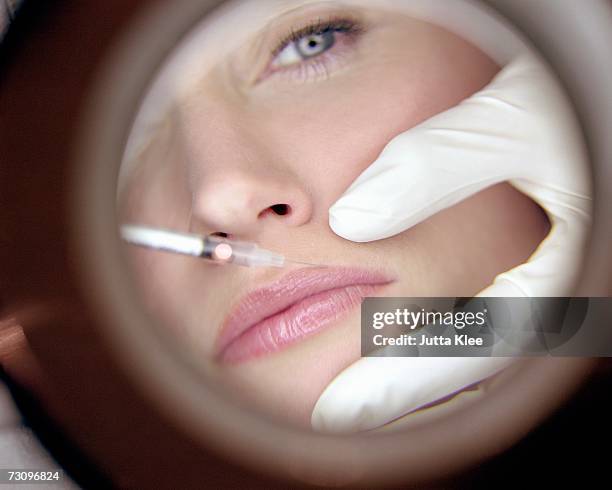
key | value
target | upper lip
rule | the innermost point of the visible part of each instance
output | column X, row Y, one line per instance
column 290, row 289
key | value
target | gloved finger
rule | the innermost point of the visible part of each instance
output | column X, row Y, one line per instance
column 553, row 269
column 518, row 128
column 400, row 385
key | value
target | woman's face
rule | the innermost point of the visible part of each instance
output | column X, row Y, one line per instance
column 265, row 140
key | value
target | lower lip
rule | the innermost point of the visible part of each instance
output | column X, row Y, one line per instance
column 300, row 320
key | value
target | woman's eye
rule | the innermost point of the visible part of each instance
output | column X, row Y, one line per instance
column 307, row 46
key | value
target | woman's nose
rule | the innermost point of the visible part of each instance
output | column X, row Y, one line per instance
column 242, row 202
column 239, row 178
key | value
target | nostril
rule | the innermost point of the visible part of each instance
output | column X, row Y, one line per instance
column 278, row 209
column 281, row 209
column 220, row 234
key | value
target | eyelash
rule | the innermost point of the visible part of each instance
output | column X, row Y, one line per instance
column 349, row 27
column 342, row 25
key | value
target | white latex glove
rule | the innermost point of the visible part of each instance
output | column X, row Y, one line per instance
column 521, row 129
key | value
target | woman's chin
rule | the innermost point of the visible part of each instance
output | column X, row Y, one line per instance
column 286, row 384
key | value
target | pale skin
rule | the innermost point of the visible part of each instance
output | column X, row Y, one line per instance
column 245, row 139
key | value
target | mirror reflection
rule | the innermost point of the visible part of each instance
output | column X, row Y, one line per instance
column 258, row 130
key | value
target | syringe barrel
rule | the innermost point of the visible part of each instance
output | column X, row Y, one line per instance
column 242, row 253
column 212, row 247
column 239, row 249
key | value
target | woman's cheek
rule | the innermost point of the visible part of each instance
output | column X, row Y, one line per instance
column 332, row 136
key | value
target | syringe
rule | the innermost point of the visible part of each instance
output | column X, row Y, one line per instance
column 210, row 247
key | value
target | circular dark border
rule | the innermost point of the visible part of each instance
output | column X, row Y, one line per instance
column 95, row 291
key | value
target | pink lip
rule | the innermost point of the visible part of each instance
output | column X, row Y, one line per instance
column 300, row 304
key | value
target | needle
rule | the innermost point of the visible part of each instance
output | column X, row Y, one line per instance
column 304, row 263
